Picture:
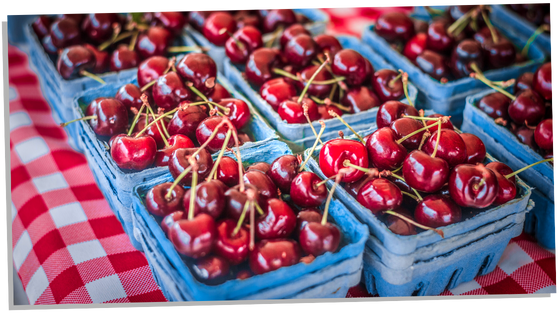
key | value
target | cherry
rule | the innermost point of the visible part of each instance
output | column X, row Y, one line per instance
column 177, row 141
column 316, row 238
column 473, row 186
column 78, row 18
column 199, row 69
column 445, row 124
column 433, row 64
column 394, row 26
column 542, row 81
column 215, row 23
column 102, row 59
column 283, row 171
column 169, row 219
column 386, row 85
column 499, row 54
column 543, row 134
column 327, row 44
column 384, row 152
column 209, row 199
column 247, row 18
column 398, row 225
column 277, row 90
column 507, row 188
column 173, row 21
column 424, row 172
column 304, row 217
column 527, row 108
column 278, row 221
column 206, row 128
column 464, row 54
column 335, row 152
column 318, row 90
column 476, row 150
column 133, row 152
column 526, row 136
column 239, row 112
column 235, row 201
column 484, row 34
column 360, row 98
column 243, row 42
column 74, row 60
column 65, row 32
column 436, row 211
column 194, row 238
column 265, row 186
column 228, row 171
column 158, row 205
column 47, row 44
column 300, row 50
column 437, row 37
column 351, row 65
column 233, row 247
column 260, row 64
column 404, row 126
column 123, row 58
column 151, row 69
column 324, row 111
column 42, row 25
column 154, row 42
column 451, row 147
column 379, row 195
column 391, row 111
column 523, row 82
column 111, row 116
column 305, row 191
column 153, row 131
column 293, row 113
column 278, row 18
column 211, row 267
column 260, row 166
column 291, row 32
column 99, row 26
column 178, row 162
column 219, row 93
column 495, row 105
column 196, row 19
column 169, row 90
column 270, row 255
column 415, row 46
column 129, row 95
column 186, row 120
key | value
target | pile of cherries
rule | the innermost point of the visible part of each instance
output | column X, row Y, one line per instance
column 237, row 222
column 175, row 106
column 536, row 13
column 528, row 113
column 96, row 43
column 457, row 42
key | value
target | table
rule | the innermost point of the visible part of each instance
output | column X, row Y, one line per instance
column 68, row 247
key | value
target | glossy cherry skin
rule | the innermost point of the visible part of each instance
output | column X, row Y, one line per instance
column 65, row 32
column 327, row 44
column 270, row 255
column 151, row 69
column 186, row 120
column 283, row 171
column 99, row 26
column 451, row 147
column 291, row 32
column 260, row 64
column 507, row 188
column 360, row 98
column 318, row 90
column 304, row 191
column 178, row 162
column 173, row 21
column 158, row 205
column 351, row 65
column 484, row 35
column 249, row 37
column 234, row 248
column 209, row 199
column 528, row 107
column 304, row 217
column 133, row 153
column 278, row 220
column 542, row 81
column 384, row 87
column 196, row 19
column 235, row 201
column 276, row 18
column 194, row 238
column 177, row 141
column 219, row 93
column 543, row 134
column 394, row 26
column 433, row 64
column 300, row 50
column 72, row 60
column 464, row 54
column 379, row 195
column 216, row 22
column 495, row 105
column 384, row 152
column 292, row 112
column 112, row 116
column 316, row 239
column 169, row 219
column 154, row 42
column 424, row 172
column 239, row 112
column 415, row 46
column 523, row 82
column 391, row 111
column 499, row 55
column 206, row 128
column 438, row 39
column 48, row 46
column 473, row 186
column 437, row 211
column 404, row 126
column 42, row 25
column 333, row 154
column 276, row 91
column 78, row 18
column 170, row 90
column 198, row 68
column 398, row 225
column 228, row 171
column 247, row 18
column 153, row 130
column 526, row 136
column 102, row 59
column 123, row 58
column 129, row 95
column 260, row 166
column 211, row 267
column 476, row 150
column 265, row 185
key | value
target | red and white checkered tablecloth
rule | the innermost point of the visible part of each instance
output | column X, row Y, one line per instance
column 68, row 247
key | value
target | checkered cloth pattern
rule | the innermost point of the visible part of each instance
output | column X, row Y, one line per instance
column 68, row 246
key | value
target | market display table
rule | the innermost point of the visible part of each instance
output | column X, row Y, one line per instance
column 68, row 246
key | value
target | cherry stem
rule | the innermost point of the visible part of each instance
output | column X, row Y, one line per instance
column 333, row 90
column 437, row 139
column 538, row 31
column 333, row 114
column 147, row 86
column 241, row 218
column 239, row 44
column 490, row 27
column 527, row 167
column 404, row 218
column 217, row 162
column 285, row 73
column 331, row 193
column 314, row 145
column 401, row 140
column 259, row 209
column 306, row 114
column 421, row 117
column 402, row 179
column 133, row 40
column 480, row 183
column 201, row 95
column 92, row 76
column 347, row 163
column 273, row 37
column 163, row 135
column 424, row 137
column 323, row 182
column 433, row 12
column 194, row 183
column 405, row 87
column 462, row 22
column 410, row 195
column 421, row 113
column 294, row 77
column 170, row 65
column 184, row 49
column 176, row 182
column 489, row 83
column 116, row 31
column 252, row 225
column 395, row 79
column 64, row 124
column 328, row 102
column 137, row 115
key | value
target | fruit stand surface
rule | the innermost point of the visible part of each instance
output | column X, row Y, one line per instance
column 68, row 246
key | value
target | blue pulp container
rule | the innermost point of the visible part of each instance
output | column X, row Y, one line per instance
column 410, row 248
column 121, row 182
column 328, row 276
column 302, row 134
column 449, row 98
column 16, row 25
column 524, row 28
column 60, row 92
column 319, row 20
column 501, row 143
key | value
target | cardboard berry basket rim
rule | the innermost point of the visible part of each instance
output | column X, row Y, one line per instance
column 286, row 282
column 318, row 25
column 300, row 133
column 404, row 245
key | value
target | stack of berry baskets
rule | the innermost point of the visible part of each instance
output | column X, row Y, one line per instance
column 440, row 210
column 128, row 143
column 75, row 52
column 439, row 54
column 351, row 83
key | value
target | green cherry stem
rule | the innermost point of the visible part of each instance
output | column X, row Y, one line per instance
column 163, row 135
column 92, row 76
column 489, row 83
column 462, row 22
column 144, row 99
column 64, row 124
column 331, row 193
column 219, row 158
column 259, row 209
column 404, row 218
column 333, row 114
column 176, row 182
column 314, row 145
column 527, row 167
column 194, row 183
column 538, row 31
column 401, row 140
column 311, row 80
column 133, row 40
column 437, row 139
column 414, row 190
column 490, row 27
column 405, row 87
column 410, row 195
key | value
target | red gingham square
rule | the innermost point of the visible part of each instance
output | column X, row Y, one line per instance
column 153, row 296
column 548, row 265
column 87, row 192
column 40, row 227
column 106, row 227
column 19, row 176
column 127, row 261
column 507, row 285
column 23, row 193
column 46, row 298
column 67, row 159
column 133, row 281
column 531, row 278
column 117, row 244
column 65, row 283
column 59, row 197
column 78, row 175
column 32, row 209
column 95, row 209
column 48, row 244
column 57, row 263
column 96, row 268
column 80, row 295
column 28, row 268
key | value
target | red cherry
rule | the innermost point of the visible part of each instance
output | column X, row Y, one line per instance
column 278, row 18
column 393, row 110
column 260, row 64
column 265, row 186
column 173, row 21
column 99, row 26
column 235, row 201
column 129, row 95
column 336, row 151
column 219, row 93
column 278, row 221
column 434, row 64
column 276, row 91
column 239, row 112
column 507, row 188
column 170, row 90
column 304, row 217
column 300, row 50
column 153, row 130
column 404, row 126
column 543, row 134
column 186, row 120
column 527, row 107
column 215, row 23
column 451, row 147
column 207, row 127
column 247, row 18
column 260, row 166
column 379, row 195
column 385, row 87
column 424, row 172
column 445, row 124
column 384, row 152
column 209, row 199
column 523, row 82
column 200, row 70
column 211, row 267
column 169, row 219
column 177, row 141
column 351, row 65
column 292, row 112
column 394, row 26
column 228, row 171
column 495, row 105
column 133, row 153
column 465, row 53
column 194, row 238
column 154, row 42
column 123, row 58
column 473, row 186
column 159, row 205
column 476, row 150
column 304, row 191
column 249, row 37
column 499, row 54
column 291, row 32
column 542, row 81
column 65, row 32
column 415, row 46
column 234, row 248
column 270, row 255
column 436, row 211
column 179, row 161
column 73, row 60
column 283, row 171
column 112, row 116
column 398, row 225
column 151, row 69
column 360, row 98
column 316, row 239
column 42, row 25
column 318, row 90
column 102, row 59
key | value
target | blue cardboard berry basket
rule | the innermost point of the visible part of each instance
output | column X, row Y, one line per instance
column 501, row 143
column 16, row 25
column 328, row 276
column 318, row 18
column 449, row 98
column 403, row 250
column 524, row 27
column 300, row 134
column 121, row 182
column 60, row 92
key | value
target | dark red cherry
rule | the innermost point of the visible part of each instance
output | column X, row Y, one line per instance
column 73, row 60
column 247, row 18
column 542, row 81
column 260, row 166
column 270, row 255
column 196, row 19
column 211, row 267
column 393, row 110
column 305, row 192
column 179, row 161
column 243, row 42
column 152, row 131
column 394, row 26
column 194, row 238
column 300, row 50
column 169, row 219
column 385, row 87
column 318, row 90
column 98, row 27
column 433, row 64
column 507, row 188
column 228, row 171
column 304, row 217
column 527, row 108
column 159, row 205
column 234, row 248
column 500, row 54
column 335, row 152
column 360, row 98
column 379, row 195
column 199, row 69
column 278, row 220
column 170, row 90
column 129, row 95
column 47, row 44
column 292, row 112
column 219, row 93
column 206, row 128
column 445, row 124
column 415, row 46
column 78, row 18
column 465, row 53
column 239, row 112
column 133, row 153
column 265, row 186
column 112, row 116
column 473, row 186
column 476, row 150
column 543, row 134
column 424, row 172
column 278, row 18
column 276, row 91
column 177, row 141
column 186, row 120
column 526, row 136
column 495, row 105
column 65, row 32
column 351, row 65
column 324, row 111
column 154, row 42
column 484, row 35
column 235, row 201
column 316, row 239
column 437, row 211
column 398, row 225
column 404, row 126
column 451, row 147
column 102, row 59
column 384, row 152
column 151, row 69
column 172, row 21
column 327, row 44
column 42, row 25
column 523, row 82
column 283, row 171
column 437, row 37
column 209, row 199
column 213, row 25
column 260, row 64
column 291, row 32
column 123, row 58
